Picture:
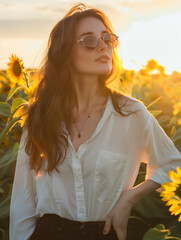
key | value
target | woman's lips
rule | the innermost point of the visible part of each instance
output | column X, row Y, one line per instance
column 103, row 60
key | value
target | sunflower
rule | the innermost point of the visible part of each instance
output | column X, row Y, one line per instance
column 151, row 64
column 16, row 70
column 179, row 121
column 177, row 108
column 172, row 192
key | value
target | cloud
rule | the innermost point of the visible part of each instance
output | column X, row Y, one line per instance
column 33, row 28
column 30, row 11
column 16, row 11
column 9, row 5
column 118, row 19
column 58, row 8
column 143, row 5
column 149, row 9
column 36, row 19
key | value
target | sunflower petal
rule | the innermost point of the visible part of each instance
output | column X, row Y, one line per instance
column 174, row 208
column 170, row 186
column 171, row 202
column 174, row 177
column 178, row 211
column 179, row 171
column 167, row 194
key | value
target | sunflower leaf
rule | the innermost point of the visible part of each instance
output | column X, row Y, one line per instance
column 157, row 233
column 5, row 109
column 8, row 127
column 155, row 112
column 9, row 156
column 16, row 103
column 13, row 91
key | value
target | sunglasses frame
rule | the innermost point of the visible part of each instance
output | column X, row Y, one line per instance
column 82, row 40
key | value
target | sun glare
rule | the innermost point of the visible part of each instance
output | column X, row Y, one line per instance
column 158, row 38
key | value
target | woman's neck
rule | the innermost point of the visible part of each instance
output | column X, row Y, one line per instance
column 87, row 93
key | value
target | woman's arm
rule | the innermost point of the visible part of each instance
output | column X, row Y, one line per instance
column 139, row 191
column 23, row 198
column 119, row 214
column 161, row 155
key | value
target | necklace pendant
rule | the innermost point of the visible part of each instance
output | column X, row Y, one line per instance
column 79, row 136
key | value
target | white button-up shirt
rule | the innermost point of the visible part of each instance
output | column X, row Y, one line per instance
column 92, row 179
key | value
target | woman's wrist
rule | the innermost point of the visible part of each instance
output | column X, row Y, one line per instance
column 136, row 193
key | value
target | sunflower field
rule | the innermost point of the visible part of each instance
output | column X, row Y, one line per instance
column 158, row 215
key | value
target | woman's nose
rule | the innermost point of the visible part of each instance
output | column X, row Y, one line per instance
column 101, row 45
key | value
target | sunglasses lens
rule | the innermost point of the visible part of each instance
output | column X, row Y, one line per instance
column 90, row 42
column 111, row 40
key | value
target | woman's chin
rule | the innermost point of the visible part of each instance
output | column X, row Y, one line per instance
column 105, row 71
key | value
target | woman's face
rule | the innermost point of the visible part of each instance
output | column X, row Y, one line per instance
column 84, row 60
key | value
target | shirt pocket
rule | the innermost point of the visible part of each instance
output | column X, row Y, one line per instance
column 110, row 175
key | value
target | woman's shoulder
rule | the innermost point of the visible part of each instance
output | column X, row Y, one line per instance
column 135, row 109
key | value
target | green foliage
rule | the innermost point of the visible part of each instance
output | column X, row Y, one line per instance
column 11, row 101
column 159, row 233
column 160, row 94
column 5, row 109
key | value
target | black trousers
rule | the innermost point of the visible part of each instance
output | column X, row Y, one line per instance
column 54, row 227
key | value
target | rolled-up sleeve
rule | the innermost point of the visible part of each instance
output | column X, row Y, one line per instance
column 23, row 197
column 161, row 154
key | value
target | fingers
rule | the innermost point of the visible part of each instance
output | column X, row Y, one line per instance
column 107, row 225
column 121, row 234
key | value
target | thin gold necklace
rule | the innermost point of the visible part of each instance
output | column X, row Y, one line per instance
column 89, row 116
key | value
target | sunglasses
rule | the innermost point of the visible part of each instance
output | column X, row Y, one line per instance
column 91, row 42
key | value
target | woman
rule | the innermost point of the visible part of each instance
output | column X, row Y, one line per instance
column 84, row 141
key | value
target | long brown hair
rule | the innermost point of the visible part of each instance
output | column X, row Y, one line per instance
column 52, row 105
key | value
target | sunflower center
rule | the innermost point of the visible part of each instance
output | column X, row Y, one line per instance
column 16, row 68
column 178, row 191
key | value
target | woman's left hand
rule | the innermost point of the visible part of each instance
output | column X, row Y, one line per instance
column 119, row 215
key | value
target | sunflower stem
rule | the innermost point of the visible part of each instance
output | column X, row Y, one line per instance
column 26, row 79
column 8, row 127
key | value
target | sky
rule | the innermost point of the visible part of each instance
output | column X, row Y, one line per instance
column 146, row 28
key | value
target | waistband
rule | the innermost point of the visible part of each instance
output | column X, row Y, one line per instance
column 56, row 219
column 51, row 224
